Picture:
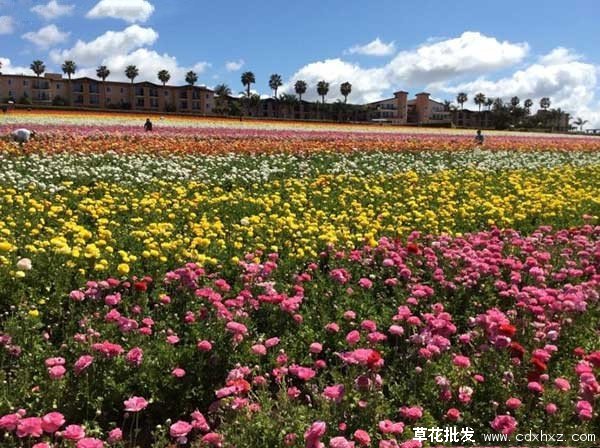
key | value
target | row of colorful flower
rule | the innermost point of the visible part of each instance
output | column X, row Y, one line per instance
column 495, row 330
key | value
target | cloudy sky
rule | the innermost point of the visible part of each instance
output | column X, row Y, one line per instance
column 530, row 48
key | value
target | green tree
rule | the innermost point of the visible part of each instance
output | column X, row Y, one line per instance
column 528, row 103
column 248, row 79
column 479, row 100
column 515, row 101
column 461, row 99
column 345, row 90
column 545, row 103
column 489, row 102
column 164, row 76
column 275, row 83
column 191, row 78
column 300, row 88
column 323, row 89
column 103, row 72
column 580, row 122
column 37, row 67
column 132, row 72
column 223, row 93
column 69, row 68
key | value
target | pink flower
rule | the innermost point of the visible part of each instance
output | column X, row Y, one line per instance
column 73, row 432
column 236, row 328
column 365, row 283
column 362, row 437
column 396, row 330
column 180, row 429
column 461, row 361
column 52, row 422
column 77, row 296
column 315, row 348
column 453, row 414
column 41, row 445
column 303, row 373
column 505, row 424
column 271, row 342
column 199, row 422
column 534, row 386
column 178, row 372
column 51, row 362
column 312, row 436
column 204, row 346
column 551, row 408
column 172, row 339
column 334, row 393
column 353, row 337
column 513, row 403
column 135, row 356
column 259, row 349
column 584, row 410
column 340, row 442
column 411, row 413
column 82, row 363
column 57, row 372
column 213, row 438
column 29, row 427
column 135, row 404
column 562, row 384
column 390, row 427
column 90, row 442
column 9, row 422
column 108, row 349
column 116, row 435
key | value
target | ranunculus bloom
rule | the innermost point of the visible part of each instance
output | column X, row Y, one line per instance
column 505, row 424
column 362, row 437
column 135, row 404
column 340, row 442
column 135, row 356
column 204, row 346
column 390, row 427
column 24, row 264
column 73, row 432
column 57, row 372
column 212, row 438
column 334, row 393
column 29, row 427
column 9, row 422
column 180, row 429
column 461, row 361
column 313, row 435
column 513, row 403
column 82, row 363
column 353, row 337
column 315, row 348
column 259, row 349
column 116, row 435
column 199, row 422
column 90, row 442
column 453, row 414
column 41, row 445
column 52, row 422
column 178, row 372
column 562, row 384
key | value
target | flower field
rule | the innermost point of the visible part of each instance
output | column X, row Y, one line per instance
column 265, row 284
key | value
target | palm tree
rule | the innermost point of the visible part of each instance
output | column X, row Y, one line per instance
column 132, row 72
column 479, row 100
column 103, row 72
column 323, row 89
column 69, row 68
column 580, row 122
column 290, row 102
column 191, row 78
column 514, row 101
column 275, row 83
column 489, row 102
column 345, row 90
column 300, row 88
column 248, row 79
column 37, row 67
column 498, row 104
column 545, row 103
column 223, row 92
column 164, row 76
column 528, row 103
column 461, row 99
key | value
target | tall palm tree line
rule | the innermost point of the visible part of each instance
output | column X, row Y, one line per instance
column 132, row 72
column 69, row 68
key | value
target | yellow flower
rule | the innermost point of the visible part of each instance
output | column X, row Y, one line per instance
column 34, row 313
column 123, row 269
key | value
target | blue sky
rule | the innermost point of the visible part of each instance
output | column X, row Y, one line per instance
column 524, row 48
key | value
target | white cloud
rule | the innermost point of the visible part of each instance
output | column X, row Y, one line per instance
column 118, row 49
column 52, row 10
column 129, row 10
column 449, row 59
column 234, row 66
column 109, row 43
column 561, row 75
column 470, row 53
column 46, row 37
column 374, row 48
column 7, row 25
column 7, row 67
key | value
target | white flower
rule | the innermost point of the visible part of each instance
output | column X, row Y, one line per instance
column 24, row 264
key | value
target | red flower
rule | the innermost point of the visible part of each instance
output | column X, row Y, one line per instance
column 413, row 248
column 517, row 350
column 373, row 359
column 507, row 330
column 140, row 286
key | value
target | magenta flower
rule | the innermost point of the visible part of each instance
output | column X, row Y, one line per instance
column 340, row 442
column 52, row 422
column 362, row 437
column 204, row 346
column 135, row 356
column 135, row 404
column 312, row 436
column 178, row 372
column 73, row 432
column 9, row 422
column 334, row 393
column 116, row 435
column 29, row 427
column 57, row 372
column 505, row 424
column 180, row 429
column 82, row 363
column 90, row 442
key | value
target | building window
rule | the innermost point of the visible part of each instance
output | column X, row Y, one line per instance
column 166, row 93
column 139, row 91
column 9, row 82
column 183, row 105
column 121, row 89
column 25, row 82
column 153, row 102
column 58, row 86
column 140, row 102
column 108, row 89
column 207, row 96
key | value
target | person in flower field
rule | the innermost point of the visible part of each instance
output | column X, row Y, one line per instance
column 148, row 125
column 21, row 136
